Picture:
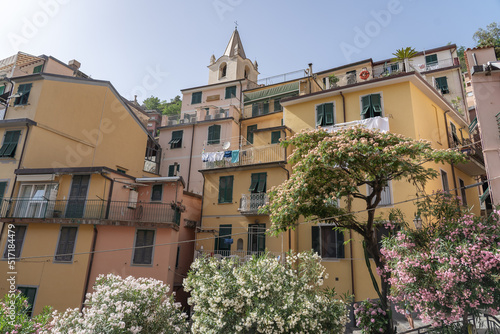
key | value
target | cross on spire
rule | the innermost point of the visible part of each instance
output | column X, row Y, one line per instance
column 235, row 25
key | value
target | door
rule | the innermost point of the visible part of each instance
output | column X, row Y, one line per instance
column 256, row 238
column 77, row 196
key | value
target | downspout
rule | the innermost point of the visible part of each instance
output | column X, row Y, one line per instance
column 91, row 261
column 451, row 164
column 241, row 116
column 289, row 230
column 343, row 106
column 108, row 206
column 190, row 158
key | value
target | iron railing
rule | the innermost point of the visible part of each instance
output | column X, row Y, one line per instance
column 471, row 149
column 89, row 209
column 492, row 323
column 282, row 78
column 242, row 255
column 250, row 203
column 439, row 64
column 245, row 156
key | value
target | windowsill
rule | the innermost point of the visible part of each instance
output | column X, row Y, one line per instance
column 141, row 264
column 174, row 148
column 331, row 259
column 225, row 203
column 63, row 262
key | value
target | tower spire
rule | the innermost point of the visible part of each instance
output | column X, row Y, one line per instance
column 235, row 47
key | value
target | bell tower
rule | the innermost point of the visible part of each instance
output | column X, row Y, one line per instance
column 233, row 64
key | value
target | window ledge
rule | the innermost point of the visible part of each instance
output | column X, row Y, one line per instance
column 331, row 259
column 141, row 265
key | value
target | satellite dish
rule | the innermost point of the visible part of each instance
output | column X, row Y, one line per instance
column 226, row 145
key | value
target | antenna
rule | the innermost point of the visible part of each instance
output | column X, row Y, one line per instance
column 226, row 145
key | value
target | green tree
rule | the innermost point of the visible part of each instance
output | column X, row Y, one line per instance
column 340, row 165
column 152, row 103
column 173, row 107
column 461, row 58
column 403, row 54
column 489, row 37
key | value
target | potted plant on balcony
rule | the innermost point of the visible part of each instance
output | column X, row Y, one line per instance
column 333, row 79
column 404, row 54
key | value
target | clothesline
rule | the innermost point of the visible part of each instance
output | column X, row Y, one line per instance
column 230, row 156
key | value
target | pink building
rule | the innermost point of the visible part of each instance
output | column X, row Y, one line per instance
column 484, row 69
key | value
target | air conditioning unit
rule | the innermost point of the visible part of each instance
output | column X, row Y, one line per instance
column 208, row 117
column 172, row 122
column 219, row 116
column 181, row 121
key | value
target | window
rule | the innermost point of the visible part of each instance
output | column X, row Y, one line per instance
column 371, row 106
column 395, row 67
column 431, row 60
column 454, row 134
column 223, row 70
column 14, row 251
column 442, row 85
column 143, row 248
column 462, row 191
column 37, row 69
column 351, row 77
column 327, row 242
column 176, row 141
column 226, row 189
column 156, row 192
column 213, row 134
column 324, row 114
column 250, row 130
column 172, row 169
column 444, row 179
column 275, row 137
column 32, row 202
column 256, row 238
column 3, row 187
column 260, row 108
column 10, row 140
column 385, row 195
column 277, row 105
column 230, row 92
column 196, row 98
column 24, row 90
column 223, row 242
column 2, row 89
column 258, row 184
column 66, row 244
column 30, row 294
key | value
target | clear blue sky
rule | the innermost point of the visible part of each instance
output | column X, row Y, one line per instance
column 123, row 41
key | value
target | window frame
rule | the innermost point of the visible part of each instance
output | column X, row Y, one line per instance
column 196, row 97
column 229, row 92
column 62, row 258
column 370, row 109
column 171, row 170
column 258, row 183
column 153, row 199
column 9, row 145
column 324, row 116
column 220, row 237
column 176, row 144
column 144, row 248
column 211, row 140
column 275, row 139
column 224, row 191
column 318, row 245
column 20, row 287
column 432, row 62
column 23, row 99
column 250, row 133
column 256, row 231
column 446, row 88
column 444, row 180
column 18, row 248
column 37, row 69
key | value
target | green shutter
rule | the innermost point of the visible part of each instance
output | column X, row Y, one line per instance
column 171, row 170
column 226, row 189
column 315, row 239
column 365, row 105
column 196, row 98
column 210, row 134
column 2, row 89
column 266, row 107
column 320, row 112
column 37, row 69
column 340, row 244
column 255, row 109
column 3, row 186
column 376, row 104
column 275, row 137
column 230, row 92
column 250, row 130
column 431, row 60
column 10, row 142
column 442, row 84
column 262, row 182
column 254, row 183
column 225, row 232
column 216, row 134
column 277, row 104
column 328, row 108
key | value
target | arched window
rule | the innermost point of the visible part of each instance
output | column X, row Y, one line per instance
column 247, row 72
column 222, row 70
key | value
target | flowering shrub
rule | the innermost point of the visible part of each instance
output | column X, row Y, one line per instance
column 449, row 269
column 130, row 305
column 370, row 317
column 263, row 295
column 14, row 316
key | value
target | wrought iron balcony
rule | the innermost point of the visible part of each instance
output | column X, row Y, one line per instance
column 250, row 203
column 474, row 152
column 241, row 255
column 83, row 209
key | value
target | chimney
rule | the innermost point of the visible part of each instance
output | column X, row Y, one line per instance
column 310, row 69
column 135, row 99
column 74, row 64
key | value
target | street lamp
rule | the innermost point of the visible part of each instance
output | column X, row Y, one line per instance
column 418, row 222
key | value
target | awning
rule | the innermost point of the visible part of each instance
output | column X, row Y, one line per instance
column 36, row 177
column 174, row 140
column 485, row 195
column 270, row 92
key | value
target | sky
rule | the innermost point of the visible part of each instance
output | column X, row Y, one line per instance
column 156, row 48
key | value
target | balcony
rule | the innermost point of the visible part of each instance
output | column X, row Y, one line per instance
column 241, row 255
column 474, row 152
column 380, row 123
column 250, row 203
column 440, row 64
column 23, row 208
column 248, row 155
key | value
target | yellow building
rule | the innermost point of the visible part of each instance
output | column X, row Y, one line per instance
column 71, row 151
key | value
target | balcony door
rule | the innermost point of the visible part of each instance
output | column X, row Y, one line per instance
column 256, row 238
column 77, row 196
column 32, row 201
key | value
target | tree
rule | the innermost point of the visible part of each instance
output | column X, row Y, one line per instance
column 14, row 317
column 450, row 268
column 263, row 295
column 152, row 103
column 461, row 58
column 403, row 54
column 173, row 107
column 331, row 166
column 130, row 305
column 489, row 37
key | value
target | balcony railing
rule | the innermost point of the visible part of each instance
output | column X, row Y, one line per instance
column 259, row 110
column 241, row 255
column 243, row 157
column 89, row 210
column 380, row 123
column 282, row 78
column 441, row 63
column 250, row 203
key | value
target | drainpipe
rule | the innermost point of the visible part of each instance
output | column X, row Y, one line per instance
column 91, row 261
column 289, row 231
column 190, row 158
column 108, row 206
column 452, row 165
column 343, row 106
